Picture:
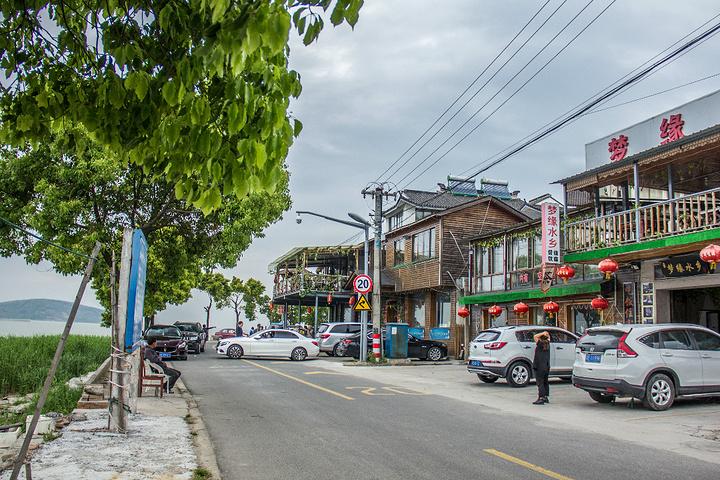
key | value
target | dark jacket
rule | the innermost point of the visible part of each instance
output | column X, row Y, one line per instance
column 151, row 356
column 541, row 362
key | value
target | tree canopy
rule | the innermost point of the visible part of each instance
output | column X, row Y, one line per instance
column 194, row 92
column 75, row 200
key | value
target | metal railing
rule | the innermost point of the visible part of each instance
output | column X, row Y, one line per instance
column 293, row 282
column 691, row 213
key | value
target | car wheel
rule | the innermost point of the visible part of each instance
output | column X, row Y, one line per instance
column 602, row 397
column 235, row 351
column 434, row 354
column 299, row 354
column 487, row 379
column 197, row 350
column 659, row 392
column 518, row 374
column 335, row 352
column 202, row 349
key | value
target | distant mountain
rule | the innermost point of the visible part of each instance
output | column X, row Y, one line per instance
column 45, row 309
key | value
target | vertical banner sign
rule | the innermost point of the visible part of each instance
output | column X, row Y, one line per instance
column 629, row 308
column 550, row 233
column 136, row 294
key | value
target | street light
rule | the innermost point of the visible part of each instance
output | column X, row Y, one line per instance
column 364, row 225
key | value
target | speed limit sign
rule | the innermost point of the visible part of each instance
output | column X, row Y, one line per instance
column 362, row 284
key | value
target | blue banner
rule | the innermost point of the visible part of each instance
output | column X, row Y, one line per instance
column 439, row 334
column 136, row 291
column 417, row 332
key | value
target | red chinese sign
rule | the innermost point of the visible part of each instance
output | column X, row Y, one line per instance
column 618, row 148
column 550, row 233
column 671, row 130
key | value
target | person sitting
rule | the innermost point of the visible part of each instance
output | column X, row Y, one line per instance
column 151, row 355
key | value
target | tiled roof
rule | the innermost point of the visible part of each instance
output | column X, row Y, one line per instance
column 434, row 200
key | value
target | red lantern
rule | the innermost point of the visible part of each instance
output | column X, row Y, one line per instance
column 551, row 307
column 272, row 305
column 463, row 312
column 521, row 309
column 608, row 267
column 329, row 299
column 495, row 311
column 599, row 304
column 309, row 309
column 352, row 301
column 710, row 254
column 566, row 273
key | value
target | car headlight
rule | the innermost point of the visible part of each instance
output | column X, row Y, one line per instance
column 182, row 345
column 192, row 337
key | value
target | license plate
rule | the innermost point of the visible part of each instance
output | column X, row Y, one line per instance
column 593, row 357
column 164, row 355
column 476, row 363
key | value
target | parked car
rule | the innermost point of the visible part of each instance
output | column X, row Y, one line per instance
column 270, row 343
column 224, row 333
column 194, row 335
column 655, row 363
column 417, row 348
column 329, row 334
column 508, row 352
column 171, row 343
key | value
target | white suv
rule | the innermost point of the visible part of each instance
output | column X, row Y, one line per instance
column 508, row 352
column 329, row 335
column 655, row 363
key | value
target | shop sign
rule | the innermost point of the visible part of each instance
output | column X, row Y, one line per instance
column 439, row 334
column 685, row 266
column 417, row 332
column 547, row 275
column 550, row 233
column 629, row 308
column 659, row 130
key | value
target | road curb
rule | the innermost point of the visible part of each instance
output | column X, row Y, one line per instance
column 202, row 444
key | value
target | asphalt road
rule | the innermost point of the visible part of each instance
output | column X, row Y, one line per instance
column 277, row 419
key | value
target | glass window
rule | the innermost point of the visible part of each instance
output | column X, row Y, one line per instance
column 675, row 340
column 498, row 259
column 525, row 335
column 706, row 340
column 399, row 252
column 592, row 271
column 485, row 262
column 583, row 317
column 500, row 320
column 420, row 214
column 487, row 336
column 442, row 309
column 519, row 254
column 395, row 221
column 423, row 245
column 556, row 336
column 652, row 340
column 419, row 311
column 281, row 334
column 537, row 252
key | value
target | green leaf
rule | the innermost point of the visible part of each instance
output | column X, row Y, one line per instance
column 169, row 92
column 276, row 34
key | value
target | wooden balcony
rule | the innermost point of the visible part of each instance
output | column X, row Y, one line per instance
column 298, row 282
column 688, row 214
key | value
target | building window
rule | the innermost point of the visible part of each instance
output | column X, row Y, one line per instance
column 423, row 245
column 420, row 214
column 418, row 311
column 489, row 263
column 399, row 252
column 395, row 221
column 442, row 309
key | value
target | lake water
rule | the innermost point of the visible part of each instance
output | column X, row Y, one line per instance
column 29, row 328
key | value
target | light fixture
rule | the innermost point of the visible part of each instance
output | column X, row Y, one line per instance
column 298, row 219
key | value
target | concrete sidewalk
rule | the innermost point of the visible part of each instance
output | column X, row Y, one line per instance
column 166, row 439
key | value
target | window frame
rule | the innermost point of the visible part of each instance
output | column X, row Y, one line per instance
column 423, row 248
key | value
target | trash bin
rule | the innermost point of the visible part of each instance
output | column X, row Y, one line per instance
column 396, row 340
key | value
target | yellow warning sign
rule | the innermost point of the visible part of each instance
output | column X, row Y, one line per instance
column 362, row 304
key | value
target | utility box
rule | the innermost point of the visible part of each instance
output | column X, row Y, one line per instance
column 396, row 340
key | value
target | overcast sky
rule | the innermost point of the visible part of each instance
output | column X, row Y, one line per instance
column 370, row 93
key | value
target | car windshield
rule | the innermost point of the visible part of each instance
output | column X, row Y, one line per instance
column 600, row 340
column 187, row 328
column 487, row 336
column 163, row 332
column 323, row 327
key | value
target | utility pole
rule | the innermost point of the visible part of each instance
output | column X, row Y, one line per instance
column 377, row 194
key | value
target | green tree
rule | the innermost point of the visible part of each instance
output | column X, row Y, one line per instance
column 74, row 200
column 194, row 92
column 217, row 287
column 234, row 299
column 253, row 296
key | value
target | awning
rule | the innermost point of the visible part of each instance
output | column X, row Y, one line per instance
column 555, row 292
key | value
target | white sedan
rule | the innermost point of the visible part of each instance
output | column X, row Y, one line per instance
column 270, row 343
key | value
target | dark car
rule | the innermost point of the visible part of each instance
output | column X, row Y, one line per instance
column 417, row 348
column 170, row 341
column 194, row 335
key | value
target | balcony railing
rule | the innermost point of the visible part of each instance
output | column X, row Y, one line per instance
column 295, row 282
column 691, row 213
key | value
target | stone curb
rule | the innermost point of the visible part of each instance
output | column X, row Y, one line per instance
column 202, row 444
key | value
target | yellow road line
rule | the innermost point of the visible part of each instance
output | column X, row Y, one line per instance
column 528, row 465
column 301, row 381
column 673, row 415
column 324, row 373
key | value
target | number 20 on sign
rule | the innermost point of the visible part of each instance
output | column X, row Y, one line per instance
column 362, row 284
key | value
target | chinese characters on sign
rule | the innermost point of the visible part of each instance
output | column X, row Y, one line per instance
column 684, row 266
column 629, row 302
column 548, row 273
column 618, row 148
column 671, row 130
column 550, row 233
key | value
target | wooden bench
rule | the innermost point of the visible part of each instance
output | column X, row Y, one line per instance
column 151, row 376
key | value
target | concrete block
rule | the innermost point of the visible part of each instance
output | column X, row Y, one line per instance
column 8, row 437
column 45, row 424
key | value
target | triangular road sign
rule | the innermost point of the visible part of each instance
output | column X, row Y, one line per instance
column 362, row 304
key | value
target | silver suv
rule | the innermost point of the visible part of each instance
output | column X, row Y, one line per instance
column 654, row 363
column 508, row 352
column 330, row 334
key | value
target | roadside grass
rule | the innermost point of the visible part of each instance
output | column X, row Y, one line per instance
column 201, row 474
column 25, row 363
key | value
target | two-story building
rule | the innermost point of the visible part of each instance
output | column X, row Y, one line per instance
column 427, row 254
column 653, row 190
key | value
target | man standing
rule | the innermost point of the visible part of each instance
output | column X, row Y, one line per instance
column 239, row 329
column 151, row 355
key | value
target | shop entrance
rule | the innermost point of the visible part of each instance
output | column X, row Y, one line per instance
column 700, row 306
